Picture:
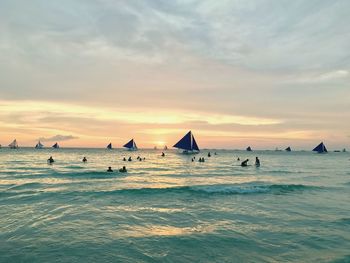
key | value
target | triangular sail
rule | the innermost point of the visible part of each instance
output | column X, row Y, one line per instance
column 194, row 144
column 56, row 146
column 39, row 145
column 249, row 149
column 288, row 149
column 321, row 148
column 109, row 146
column 14, row 144
column 131, row 145
column 187, row 143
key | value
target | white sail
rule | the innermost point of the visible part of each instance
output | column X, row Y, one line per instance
column 14, row 144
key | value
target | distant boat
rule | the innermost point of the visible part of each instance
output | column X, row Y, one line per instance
column 321, row 148
column 39, row 145
column 165, row 147
column 131, row 145
column 14, row 144
column 56, row 146
column 288, row 149
column 109, row 146
column 188, row 144
column 249, row 149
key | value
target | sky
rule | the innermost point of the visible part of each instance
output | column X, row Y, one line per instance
column 263, row 73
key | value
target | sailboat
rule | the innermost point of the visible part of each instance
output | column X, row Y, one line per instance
column 188, row 144
column 131, row 145
column 39, row 145
column 109, row 146
column 321, row 148
column 249, row 149
column 288, row 149
column 14, row 144
column 56, row 146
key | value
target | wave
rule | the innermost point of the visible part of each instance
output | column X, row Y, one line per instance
column 200, row 190
column 212, row 190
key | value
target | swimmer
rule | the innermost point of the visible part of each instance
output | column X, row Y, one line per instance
column 50, row 160
column 84, row 160
column 109, row 169
column 124, row 159
column 209, row 155
column 245, row 163
column 257, row 162
column 163, row 154
column 123, row 170
column 129, row 160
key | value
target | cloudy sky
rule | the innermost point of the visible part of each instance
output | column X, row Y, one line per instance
column 264, row 73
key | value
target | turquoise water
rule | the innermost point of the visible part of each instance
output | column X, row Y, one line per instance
column 295, row 207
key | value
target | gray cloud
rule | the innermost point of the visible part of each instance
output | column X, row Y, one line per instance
column 58, row 138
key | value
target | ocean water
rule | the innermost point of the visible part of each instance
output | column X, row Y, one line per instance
column 294, row 208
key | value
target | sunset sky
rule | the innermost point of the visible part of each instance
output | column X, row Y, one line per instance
column 264, row 73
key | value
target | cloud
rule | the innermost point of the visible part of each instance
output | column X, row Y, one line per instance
column 326, row 77
column 58, row 138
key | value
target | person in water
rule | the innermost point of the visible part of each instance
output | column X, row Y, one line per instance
column 50, row 160
column 245, row 163
column 163, row 154
column 129, row 160
column 238, row 159
column 109, row 169
column 84, row 160
column 209, row 155
column 257, row 162
column 123, row 170
column 124, row 159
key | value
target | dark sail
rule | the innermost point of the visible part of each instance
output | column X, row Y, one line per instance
column 56, row 145
column 194, row 144
column 109, row 146
column 187, row 143
column 288, row 149
column 131, row 144
column 321, row 148
column 249, row 149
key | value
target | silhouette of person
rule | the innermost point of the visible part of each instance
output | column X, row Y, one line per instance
column 123, row 170
column 109, row 169
column 257, row 162
column 50, row 160
column 245, row 163
column 84, row 160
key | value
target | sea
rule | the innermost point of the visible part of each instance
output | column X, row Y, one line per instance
column 295, row 207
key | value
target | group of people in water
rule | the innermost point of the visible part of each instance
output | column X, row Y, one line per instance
column 201, row 160
column 245, row 162
column 130, row 159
